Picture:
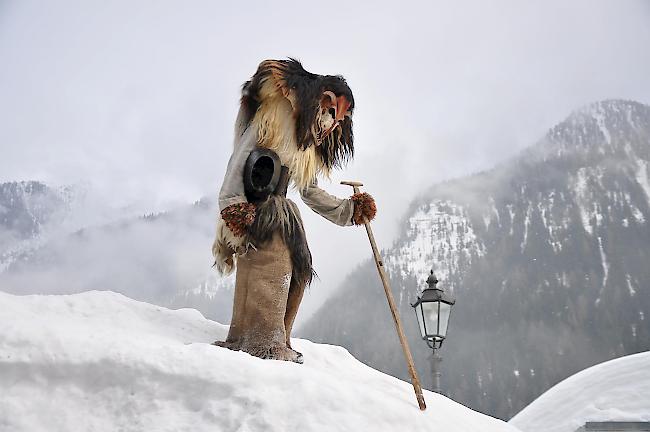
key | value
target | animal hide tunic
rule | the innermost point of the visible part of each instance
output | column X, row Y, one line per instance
column 306, row 119
column 273, row 259
column 227, row 246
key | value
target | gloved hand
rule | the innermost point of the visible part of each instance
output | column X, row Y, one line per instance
column 238, row 217
column 365, row 208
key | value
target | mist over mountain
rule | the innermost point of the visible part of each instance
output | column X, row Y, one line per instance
column 547, row 256
column 52, row 244
column 26, row 207
column 29, row 211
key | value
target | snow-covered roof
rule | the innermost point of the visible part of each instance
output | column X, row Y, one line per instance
column 617, row 390
column 100, row 361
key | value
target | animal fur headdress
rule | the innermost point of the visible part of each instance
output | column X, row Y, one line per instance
column 306, row 118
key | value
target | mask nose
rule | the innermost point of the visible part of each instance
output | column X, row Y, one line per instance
column 342, row 108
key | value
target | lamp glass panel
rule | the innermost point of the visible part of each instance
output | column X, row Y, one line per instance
column 445, row 310
column 430, row 311
column 418, row 313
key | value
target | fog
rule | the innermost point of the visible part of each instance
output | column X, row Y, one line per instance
column 152, row 258
column 137, row 100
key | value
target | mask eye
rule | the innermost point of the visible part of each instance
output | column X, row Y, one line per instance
column 332, row 112
column 327, row 100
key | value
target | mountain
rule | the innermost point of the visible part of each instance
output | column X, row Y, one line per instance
column 26, row 207
column 547, row 255
column 160, row 258
column 28, row 210
column 99, row 361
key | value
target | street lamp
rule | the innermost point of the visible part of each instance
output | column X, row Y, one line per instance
column 433, row 309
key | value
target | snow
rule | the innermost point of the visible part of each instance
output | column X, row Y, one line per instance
column 526, row 225
column 630, row 288
column 486, row 221
column 638, row 216
column 99, row 361
column 495, row 212
column 599, row 114
column 580, row 187
column 587, row 184
column 491, row 213
column 603, row 260
column 616, row 390
column 512, row 217
column 642, row 177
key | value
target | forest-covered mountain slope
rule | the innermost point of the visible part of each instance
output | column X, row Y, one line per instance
column 548, row 256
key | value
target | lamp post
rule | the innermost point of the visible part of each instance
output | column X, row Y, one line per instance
column 433, row 309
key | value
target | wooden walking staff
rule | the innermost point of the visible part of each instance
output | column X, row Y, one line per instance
column 393, row 308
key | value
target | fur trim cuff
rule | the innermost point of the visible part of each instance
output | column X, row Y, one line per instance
column 238, row 217
column 365, row 208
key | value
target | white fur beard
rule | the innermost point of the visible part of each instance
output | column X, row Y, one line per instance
column 225, row 248
column 277, row 131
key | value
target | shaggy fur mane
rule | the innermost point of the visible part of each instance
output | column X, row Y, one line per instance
column 283, row 100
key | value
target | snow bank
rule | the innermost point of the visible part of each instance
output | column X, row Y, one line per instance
column 99, row 361
column 617, row 390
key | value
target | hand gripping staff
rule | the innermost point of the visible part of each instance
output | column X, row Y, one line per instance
column 393, row 308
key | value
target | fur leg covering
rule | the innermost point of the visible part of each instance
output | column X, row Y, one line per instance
column 259, row 309
column 365, row 208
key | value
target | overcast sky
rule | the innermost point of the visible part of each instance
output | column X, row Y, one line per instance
column 138, row 98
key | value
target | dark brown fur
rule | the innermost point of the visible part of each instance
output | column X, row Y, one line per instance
column 365, row 208
column 238, row 217
column 307, row 89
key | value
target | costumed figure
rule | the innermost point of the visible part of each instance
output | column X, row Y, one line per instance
column 292, row 126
